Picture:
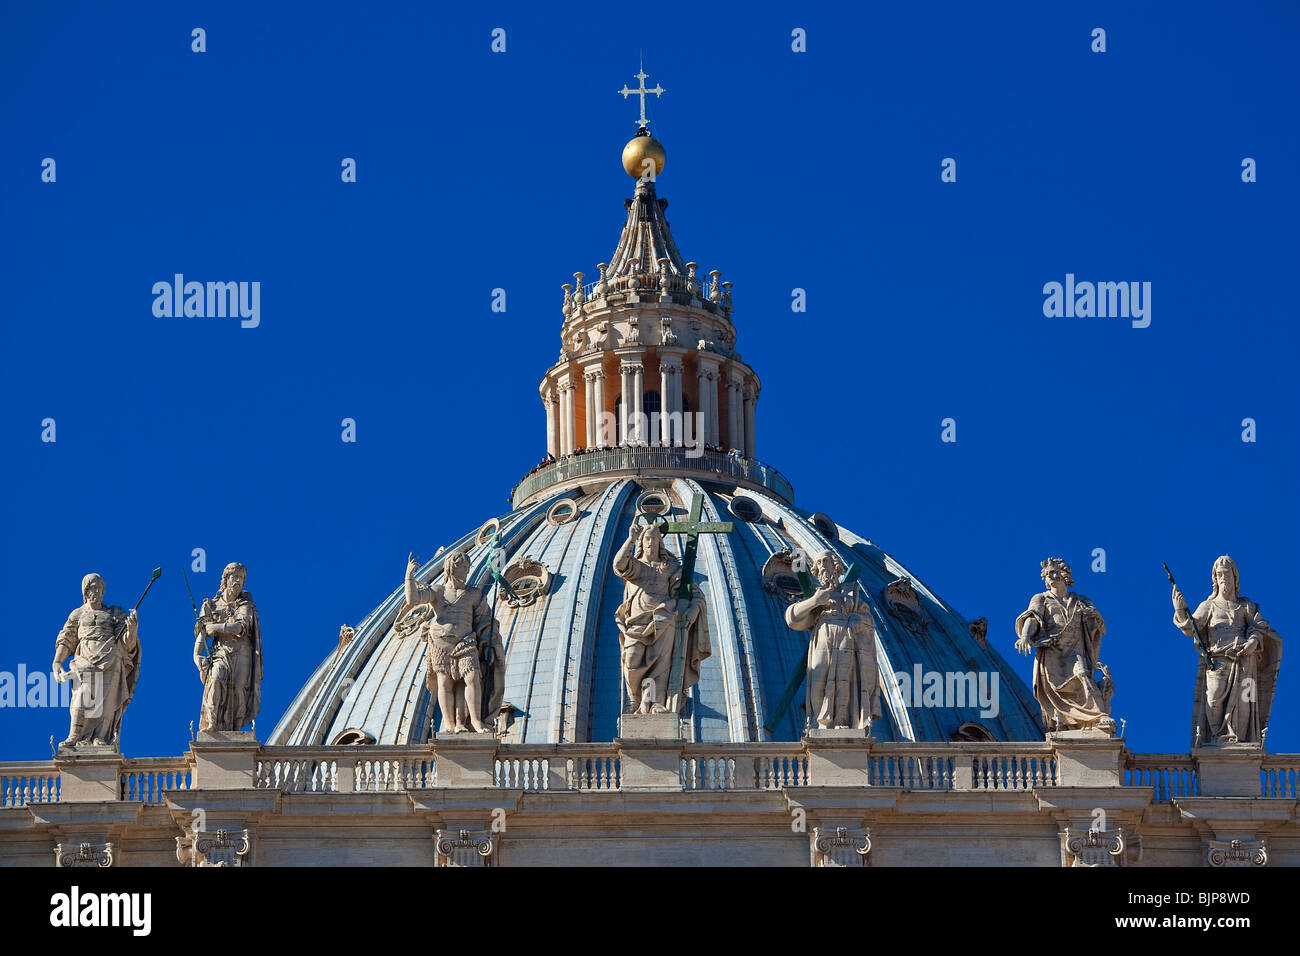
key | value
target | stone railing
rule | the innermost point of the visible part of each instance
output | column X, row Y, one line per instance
column 597, row 767
column 556, row 767
column 146, row 779
column 24, row 783
column 696, row 290
column 1171, row 775
column 638, row 460
column 962, row 766
column 595, row 770
column 762, row 766
column 297, row 770
column 344, row 769
column 1279, row 777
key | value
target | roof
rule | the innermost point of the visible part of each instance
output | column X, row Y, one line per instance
column 562, row 651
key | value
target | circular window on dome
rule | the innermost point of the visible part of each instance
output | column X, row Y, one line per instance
column 746, row 509
column 654, row 503
column 562, row 512
column 489, row 529
column 826, row 526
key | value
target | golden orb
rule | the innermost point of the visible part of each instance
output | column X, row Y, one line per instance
column 639, row 149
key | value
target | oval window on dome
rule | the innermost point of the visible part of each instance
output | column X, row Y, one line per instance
column 746, row 509
column 654, row 503
column 971, row 731
column 353, row 737
column 562, row 512
column 826, row 526
column 490, row 528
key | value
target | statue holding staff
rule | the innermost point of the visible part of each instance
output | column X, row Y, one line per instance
column 104, row 644
column 1240, row 658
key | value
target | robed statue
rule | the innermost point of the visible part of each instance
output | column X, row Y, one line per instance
column 1240, row 657
column 1065, row 631
column 465, row 661
column 652, row 619
column 843, row 676
column 104, row 644
column 232, row 669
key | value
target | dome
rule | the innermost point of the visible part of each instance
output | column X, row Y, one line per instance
column 649, row 405
column 562, row 673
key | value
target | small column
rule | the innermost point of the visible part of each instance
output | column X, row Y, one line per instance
column 702, row 384
column 714, row 425
column 552, row 432
column 670, row 366
column 589, row 394
column 735, row 413
column 602, row 438
column 561, row 426
column 750, row 444
column 665, row 435
column 638, row 399
column 625, row 371
column 570, row 432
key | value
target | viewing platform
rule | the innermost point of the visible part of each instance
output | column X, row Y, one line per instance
column 652, row 461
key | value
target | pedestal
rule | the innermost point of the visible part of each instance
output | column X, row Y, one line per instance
column 466, row 760
column 650, row 752
column 1228, row 770
column 1087, row 758
column 225, row 759
column 666, row 726
column 89, row 773
column 837, row 758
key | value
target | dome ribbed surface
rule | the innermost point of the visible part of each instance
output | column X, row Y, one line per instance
column 562, row 651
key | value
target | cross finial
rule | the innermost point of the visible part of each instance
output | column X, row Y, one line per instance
column 641, row 91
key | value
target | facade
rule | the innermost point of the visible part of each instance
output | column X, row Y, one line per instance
column 651, row 417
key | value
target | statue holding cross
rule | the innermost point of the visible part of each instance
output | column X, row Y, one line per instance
column 663, row 625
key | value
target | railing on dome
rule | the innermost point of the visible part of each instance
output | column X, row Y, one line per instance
column 648, row 282
column 654, row 458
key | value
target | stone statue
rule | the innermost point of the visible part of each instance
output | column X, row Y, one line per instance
column 104, row 644
column 650, row 618
column 1066, row 630
column 463, row 651
column 1239, row 661
column 232, row 670
column 843, row 677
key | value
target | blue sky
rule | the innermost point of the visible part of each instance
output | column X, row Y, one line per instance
column 481, row 170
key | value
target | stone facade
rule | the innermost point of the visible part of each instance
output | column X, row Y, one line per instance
column 653, row 800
